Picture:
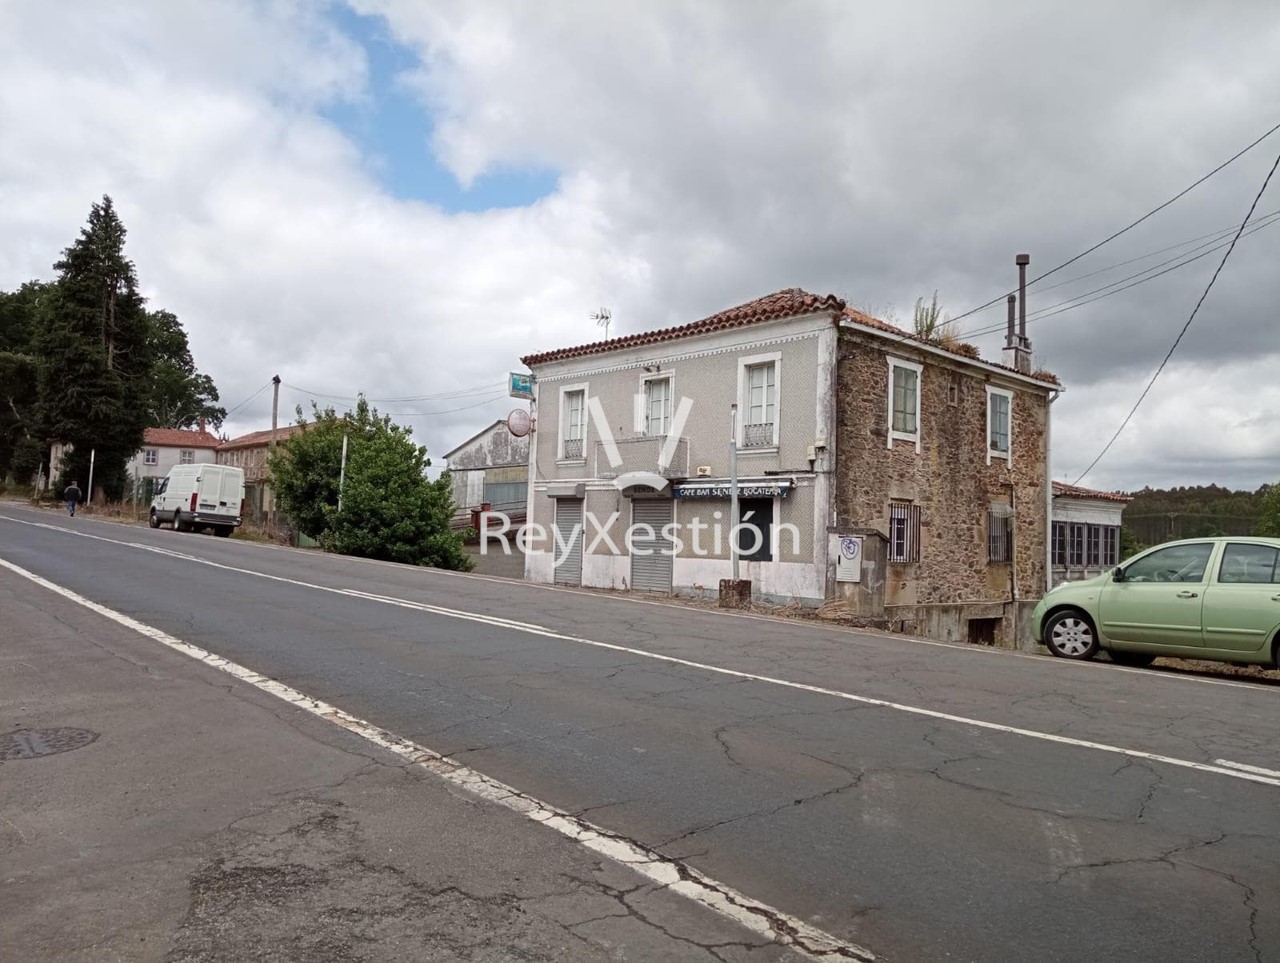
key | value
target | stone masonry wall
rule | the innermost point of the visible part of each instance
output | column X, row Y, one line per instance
column 949, row 478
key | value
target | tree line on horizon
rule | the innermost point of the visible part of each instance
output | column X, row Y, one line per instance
column 1162, row 514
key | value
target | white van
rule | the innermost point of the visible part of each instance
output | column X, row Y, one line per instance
column 200, row 496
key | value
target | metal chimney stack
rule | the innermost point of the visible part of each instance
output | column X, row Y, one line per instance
column 1022, row 350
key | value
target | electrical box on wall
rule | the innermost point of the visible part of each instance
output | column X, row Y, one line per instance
column 849, row 561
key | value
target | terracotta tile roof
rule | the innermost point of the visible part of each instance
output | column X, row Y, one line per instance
column 257, row 439
column 1075, row 491
column 781, row 304
column 177, row 438
column 788, row 303
column 901, row 334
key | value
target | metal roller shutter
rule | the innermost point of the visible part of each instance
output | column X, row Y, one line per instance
column 568, row 541
column 651, row 572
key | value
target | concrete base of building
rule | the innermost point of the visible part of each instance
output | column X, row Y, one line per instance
column 1003, row 624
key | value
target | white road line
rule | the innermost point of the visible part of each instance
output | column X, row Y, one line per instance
column 671, row 874
column 530, row 629
column 977, row 651
column 1243, row 768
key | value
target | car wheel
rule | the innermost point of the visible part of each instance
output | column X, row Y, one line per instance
column 1070, row 635
column 1134, row 660
column 178, row 524
column 152, row 520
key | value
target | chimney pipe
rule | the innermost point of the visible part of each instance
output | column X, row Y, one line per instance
column 1010, row 340
column 1022, row 260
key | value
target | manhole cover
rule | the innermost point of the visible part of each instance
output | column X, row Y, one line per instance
column 32, row 743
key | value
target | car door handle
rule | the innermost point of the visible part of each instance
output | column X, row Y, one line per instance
column 1188, row 595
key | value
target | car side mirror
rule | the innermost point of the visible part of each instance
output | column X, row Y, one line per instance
column 1117, row 574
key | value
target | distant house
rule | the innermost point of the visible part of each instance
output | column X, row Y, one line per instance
column 163, row 448
column 490, row 468
column 1086, row 531
column 249, row 452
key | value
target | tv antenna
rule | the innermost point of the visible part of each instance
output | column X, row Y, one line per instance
column 602, row 318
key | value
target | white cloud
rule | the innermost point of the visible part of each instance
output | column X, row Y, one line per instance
column 708, row 153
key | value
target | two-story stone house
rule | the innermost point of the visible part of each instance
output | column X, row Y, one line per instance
column 845, row 427
column 249, row 452
column 943, row 464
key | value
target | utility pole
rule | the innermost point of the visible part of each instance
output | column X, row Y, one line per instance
column 733, row 491
column 342, row 472
column 275, row 415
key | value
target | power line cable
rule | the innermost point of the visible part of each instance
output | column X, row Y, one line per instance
column 1216, row 235
column 1194, row 312
column 447, row 411
column 232, row 411
column 1081, row 300
column 1107, row 240
column 442, row 396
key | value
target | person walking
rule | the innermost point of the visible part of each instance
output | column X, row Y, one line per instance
column 72, row 495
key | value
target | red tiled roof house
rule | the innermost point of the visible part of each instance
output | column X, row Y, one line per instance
column 163, row 448
column 848, row 428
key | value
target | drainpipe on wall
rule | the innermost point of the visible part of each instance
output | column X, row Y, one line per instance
column 1013, row 550
column 1048, row 490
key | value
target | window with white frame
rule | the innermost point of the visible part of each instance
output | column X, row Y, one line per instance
column 999, row 424
column 904, row 401
column 186, row 457
column 657, row 406
column 761, row 405
column 151, row 457
column 573, row 413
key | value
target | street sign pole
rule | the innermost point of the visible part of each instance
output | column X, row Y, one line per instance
column 733, row 489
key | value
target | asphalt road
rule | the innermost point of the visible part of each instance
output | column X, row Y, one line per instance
column 925, row 801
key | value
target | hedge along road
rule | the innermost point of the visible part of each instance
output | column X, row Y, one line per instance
column 906, row 797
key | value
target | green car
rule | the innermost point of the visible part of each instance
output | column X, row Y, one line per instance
column 1203, row 598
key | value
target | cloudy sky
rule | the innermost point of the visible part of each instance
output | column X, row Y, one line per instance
column 401, row 197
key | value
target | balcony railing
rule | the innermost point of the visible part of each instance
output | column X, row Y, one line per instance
column 758, row 436
column 573, row 449
column 642, row 453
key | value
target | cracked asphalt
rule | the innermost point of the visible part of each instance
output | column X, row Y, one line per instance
column 919, row 838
